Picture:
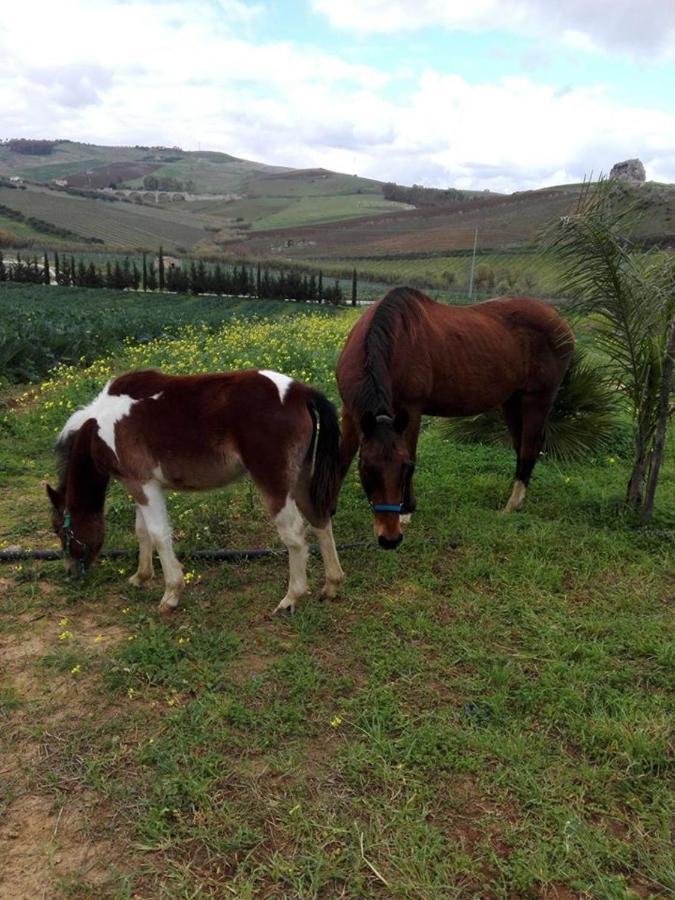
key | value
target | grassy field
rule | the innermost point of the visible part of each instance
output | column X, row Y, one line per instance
column 484, row 713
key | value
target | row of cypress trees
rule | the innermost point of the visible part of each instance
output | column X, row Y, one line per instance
column 193, row 277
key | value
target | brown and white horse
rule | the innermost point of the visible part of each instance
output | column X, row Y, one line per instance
column 408, row 356
column 197, row 432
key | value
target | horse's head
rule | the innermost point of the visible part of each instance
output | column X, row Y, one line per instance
column 385, row 468
column 81, row 533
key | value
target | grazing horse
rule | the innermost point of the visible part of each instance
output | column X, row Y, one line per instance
column 153, row 432
column 408, row 356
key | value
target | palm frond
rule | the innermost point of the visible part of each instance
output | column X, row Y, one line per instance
column 584, row 420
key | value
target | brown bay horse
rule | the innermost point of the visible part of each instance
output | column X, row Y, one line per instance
column 156, row 432
column 409, row 356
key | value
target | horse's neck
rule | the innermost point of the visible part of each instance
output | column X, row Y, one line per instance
column 85, row 483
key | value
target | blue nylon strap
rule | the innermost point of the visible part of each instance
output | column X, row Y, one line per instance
column 386, row 507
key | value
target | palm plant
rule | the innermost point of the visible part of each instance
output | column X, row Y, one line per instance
column 628, row 298
column 583, row 420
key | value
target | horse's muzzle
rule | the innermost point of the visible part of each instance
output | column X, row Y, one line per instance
column 388, row 544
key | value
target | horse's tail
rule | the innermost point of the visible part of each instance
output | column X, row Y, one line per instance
column 323, row 454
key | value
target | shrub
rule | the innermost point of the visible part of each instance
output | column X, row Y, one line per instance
column 584, row 420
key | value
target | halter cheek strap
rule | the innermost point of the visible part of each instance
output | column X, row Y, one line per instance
column 69, row 538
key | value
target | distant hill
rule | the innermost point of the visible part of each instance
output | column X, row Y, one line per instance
column 60, row 193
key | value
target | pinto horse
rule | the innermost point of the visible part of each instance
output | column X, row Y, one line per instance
column 153, row 432
column 408, row 356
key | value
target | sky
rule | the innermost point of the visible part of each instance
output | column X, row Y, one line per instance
column 488, row 94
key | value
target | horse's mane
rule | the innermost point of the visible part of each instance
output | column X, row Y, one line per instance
column 398, row 308
column 62, row 450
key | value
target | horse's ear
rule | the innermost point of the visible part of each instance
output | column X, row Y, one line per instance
column 368, row 424
column 54, row 496
column 400, row 422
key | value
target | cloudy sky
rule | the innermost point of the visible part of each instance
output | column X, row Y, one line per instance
column 501, row 94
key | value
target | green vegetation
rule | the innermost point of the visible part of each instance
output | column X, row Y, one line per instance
column 42, row 326
column 517, row 272
column 586, row 418
column 630, row 299
column 485, row 712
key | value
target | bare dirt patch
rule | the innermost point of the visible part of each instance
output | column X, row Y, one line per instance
column 40, row 843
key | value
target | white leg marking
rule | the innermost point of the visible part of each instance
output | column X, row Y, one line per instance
column 145, row 570
column 291, row 530
column 159, row 528
column 517, row 496
column 331, row 563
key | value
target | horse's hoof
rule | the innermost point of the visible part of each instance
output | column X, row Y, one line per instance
column 285, row 608
column 167, row 609
column 139, row 581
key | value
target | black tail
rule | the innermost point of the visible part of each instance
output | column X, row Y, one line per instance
column 323, row 455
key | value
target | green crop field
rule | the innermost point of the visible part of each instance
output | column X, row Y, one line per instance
column 486, row 712
column 42, row 326
column 118, row 225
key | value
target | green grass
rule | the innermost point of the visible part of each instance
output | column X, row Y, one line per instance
column 485, row 712
column 313, row 210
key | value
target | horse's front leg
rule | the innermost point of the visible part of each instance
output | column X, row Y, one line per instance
column 411, row 436
column 145, row 570
column 291, row 528
column 159, row 528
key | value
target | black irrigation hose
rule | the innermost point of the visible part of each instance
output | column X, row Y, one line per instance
column 219, row 555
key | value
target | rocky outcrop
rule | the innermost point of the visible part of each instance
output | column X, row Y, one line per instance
column 630, row 170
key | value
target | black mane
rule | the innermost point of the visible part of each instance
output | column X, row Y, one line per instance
column 398, row 307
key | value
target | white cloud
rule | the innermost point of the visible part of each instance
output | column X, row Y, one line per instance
column 643, row 28
column 172, row 73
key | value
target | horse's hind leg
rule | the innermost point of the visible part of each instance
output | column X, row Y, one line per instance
column 334, row 576
column 331, row 564
column 534, row 409
column 291, row 528
column 145, row 570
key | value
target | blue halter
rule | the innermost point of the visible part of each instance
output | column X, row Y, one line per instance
column 386, row 507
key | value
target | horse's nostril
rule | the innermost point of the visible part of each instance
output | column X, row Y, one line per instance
column 388, row 544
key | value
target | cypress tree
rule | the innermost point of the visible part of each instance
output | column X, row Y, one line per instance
column 354, row 288
column 135, row 276
column 108, row 274
column 160, row 268
column 45, row 269
column 319, row 289
column 57, row 271
column 152, row 278
column 3, row 271
column 258, row 282
column 145, row 273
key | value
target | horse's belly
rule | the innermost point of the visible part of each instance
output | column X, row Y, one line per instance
column 200, row 474
column 469, row 400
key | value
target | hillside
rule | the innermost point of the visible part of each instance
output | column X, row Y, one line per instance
column 134, row 198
